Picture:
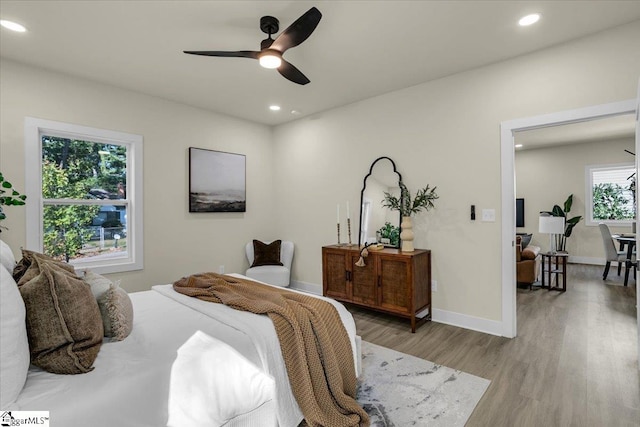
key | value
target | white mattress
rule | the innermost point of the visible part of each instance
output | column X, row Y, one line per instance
column 129, row 385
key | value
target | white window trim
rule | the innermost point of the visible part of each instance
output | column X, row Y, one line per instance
column 588, row 192
column 33, row 130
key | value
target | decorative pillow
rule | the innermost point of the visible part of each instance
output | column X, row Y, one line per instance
column 266, row 254
column 114, row 303
column 525, row 239
column 6, row 257
column 63, row 320
column 99, row 284
column 20, row 270
column 14, row 347
column 117, row 313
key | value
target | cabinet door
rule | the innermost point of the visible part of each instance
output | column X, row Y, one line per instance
column 364, row 286
column 394, row 279
column 334, row 280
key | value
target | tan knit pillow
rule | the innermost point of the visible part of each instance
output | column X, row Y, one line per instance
column 63, row 320
column 117, row 313
column 114, row 303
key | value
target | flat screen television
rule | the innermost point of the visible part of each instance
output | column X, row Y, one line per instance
column 519, row 212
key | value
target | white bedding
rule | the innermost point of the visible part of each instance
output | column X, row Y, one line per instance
column 130, row 383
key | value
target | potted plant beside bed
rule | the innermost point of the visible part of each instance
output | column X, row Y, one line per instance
column 8, row 197
column 422, row 201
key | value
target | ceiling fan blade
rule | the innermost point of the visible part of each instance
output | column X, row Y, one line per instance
column 299, row 31
column 289, row 72
column 237, row 54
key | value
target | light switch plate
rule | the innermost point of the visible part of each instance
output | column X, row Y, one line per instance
column 488, row 215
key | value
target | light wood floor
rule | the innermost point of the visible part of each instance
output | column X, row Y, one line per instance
column 574, row 362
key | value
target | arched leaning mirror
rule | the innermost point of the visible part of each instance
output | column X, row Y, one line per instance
column 377, row 223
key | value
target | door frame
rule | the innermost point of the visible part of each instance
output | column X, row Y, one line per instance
column 508, row 177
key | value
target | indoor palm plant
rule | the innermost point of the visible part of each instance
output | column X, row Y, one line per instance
column 407, row 206
column 569, row 223
column 8, row 197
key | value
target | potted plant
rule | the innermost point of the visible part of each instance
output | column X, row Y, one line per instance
column 8, row 197
column 407, row 206
column 390, row 233
column 569, row 223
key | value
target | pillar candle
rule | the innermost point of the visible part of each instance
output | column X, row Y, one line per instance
column 338, row 215
column 348, row 210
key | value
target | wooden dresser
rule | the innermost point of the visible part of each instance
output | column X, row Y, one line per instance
column 394, row 282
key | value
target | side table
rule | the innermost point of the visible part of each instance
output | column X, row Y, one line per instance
column 554, row 264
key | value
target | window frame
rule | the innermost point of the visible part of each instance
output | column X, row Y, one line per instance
column 589, row 220
column 33, row 132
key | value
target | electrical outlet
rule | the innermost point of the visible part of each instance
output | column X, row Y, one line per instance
column 221, row 269
column 434, row 286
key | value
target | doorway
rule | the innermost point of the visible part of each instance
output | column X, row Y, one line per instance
column 508, row 129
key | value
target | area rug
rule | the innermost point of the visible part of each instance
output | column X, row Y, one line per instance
column 398, row 389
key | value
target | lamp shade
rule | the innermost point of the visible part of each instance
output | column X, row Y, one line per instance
column 551, row 224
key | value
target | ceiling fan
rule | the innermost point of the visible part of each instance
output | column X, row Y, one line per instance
column 271, row 51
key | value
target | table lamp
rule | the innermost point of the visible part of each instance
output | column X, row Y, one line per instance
column 551, row 225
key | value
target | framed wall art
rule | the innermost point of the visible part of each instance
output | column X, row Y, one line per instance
column 217, row 181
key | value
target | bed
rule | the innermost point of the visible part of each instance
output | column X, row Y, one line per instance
column 135, row 380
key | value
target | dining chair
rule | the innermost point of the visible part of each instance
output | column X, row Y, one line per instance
column 611, row 253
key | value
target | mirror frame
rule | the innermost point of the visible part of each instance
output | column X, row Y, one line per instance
column 364, row 187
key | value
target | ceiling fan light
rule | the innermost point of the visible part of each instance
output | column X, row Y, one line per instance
column 270, row 59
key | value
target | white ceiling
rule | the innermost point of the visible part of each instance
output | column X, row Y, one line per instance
column 359, row 50
column 603, row 129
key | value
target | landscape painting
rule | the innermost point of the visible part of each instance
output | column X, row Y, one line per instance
column 216, row 181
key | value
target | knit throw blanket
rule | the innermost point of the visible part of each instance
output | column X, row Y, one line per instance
column 314, row 343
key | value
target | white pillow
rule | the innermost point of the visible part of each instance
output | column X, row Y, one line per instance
column 6, row 257
column 212, row 384
column 14, row 347
column 99, row 284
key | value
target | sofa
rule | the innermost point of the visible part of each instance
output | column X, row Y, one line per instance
column 527, row 262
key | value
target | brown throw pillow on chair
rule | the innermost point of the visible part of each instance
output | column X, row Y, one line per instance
column 266, row 254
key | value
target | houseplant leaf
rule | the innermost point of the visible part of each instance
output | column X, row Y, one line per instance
column 568, row 203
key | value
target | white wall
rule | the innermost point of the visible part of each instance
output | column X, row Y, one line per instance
column 546, row 176
column 176, row 242
column 443, row 133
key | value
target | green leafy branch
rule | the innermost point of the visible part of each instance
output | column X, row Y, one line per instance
column 9, row 196
column 423, row 200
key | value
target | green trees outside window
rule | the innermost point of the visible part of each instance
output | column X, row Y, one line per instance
column 613, row 202
column 74, row 172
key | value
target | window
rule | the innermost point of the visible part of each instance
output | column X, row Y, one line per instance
column 610, row 194
column 84, row 188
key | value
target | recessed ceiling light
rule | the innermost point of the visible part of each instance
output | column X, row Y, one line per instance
column 529, row 19
column 13, row 26
column 274, row 107
column 518, row 145
column 295, row 112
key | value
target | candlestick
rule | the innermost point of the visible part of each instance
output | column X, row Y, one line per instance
column 349, row 229
column 338, row 227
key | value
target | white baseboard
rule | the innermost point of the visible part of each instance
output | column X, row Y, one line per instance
column 586, row 260
column 311, row 288
column 493, row 327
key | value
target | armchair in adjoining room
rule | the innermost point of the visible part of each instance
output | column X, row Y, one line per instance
column 270, row 262
column 527, row 263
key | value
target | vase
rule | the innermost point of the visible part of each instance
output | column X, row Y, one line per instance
column 406, row 235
